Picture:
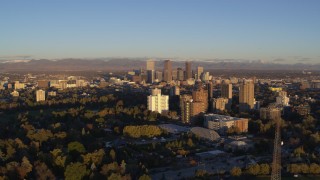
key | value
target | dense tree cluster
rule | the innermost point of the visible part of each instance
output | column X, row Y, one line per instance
column 142, row 131
column 66, row 139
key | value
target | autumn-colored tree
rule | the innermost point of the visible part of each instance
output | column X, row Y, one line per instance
column 42, row 172
column 76, row 146
column 111, row 167
column 190, row 142
column 236, row 171
column 253, row 169
column 58, row 158
column 94, row 157
column 40, row 136
column 75, row 171
column 145, row 177
column 314, row 168
column 264, row 169
column 112, row 154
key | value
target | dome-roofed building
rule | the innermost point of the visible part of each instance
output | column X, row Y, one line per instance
column 205, row 133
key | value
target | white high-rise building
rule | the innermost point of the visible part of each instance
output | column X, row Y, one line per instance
column 40, row 95
column 158, row 102
column 282, row 98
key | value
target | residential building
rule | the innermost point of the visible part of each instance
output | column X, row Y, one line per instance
column 186, row 108
column 18, row 85
column 200, row 96
column 40, row 95
column 226, row 90
column 282, row 98
column 158, row 102
column 220, row 104
column 246, row 96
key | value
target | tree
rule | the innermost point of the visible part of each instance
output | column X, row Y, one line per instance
column 58, row 158
column 76, row 146
column 190, row 142
column 112, row 154
column 145, row 177
column 41, row 135
column 314, row 168
column 254, row 169
column 264, row 169
column 42, row 172
column 106, row 168
column 75, row 171
column 304, row 168
column 294, row 168
column 298, row 151
column 201, row 172
column 95, row 157
column 24, row 168
column 236, row 172
column 123, row 166
column 115, row 176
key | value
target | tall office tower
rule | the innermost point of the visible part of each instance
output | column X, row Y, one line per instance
column 150, row 71
column 226, row 90
column 210, row 90
column 150, row 76
column 167, row 71
column 246, row 96
column 180, row 74
column 158, row 102
column 199, row 71
column 186, row 108
column 40, row 95
column 200, row 96
column 188, row 70
column 159, row 76
column 150, row 65
column 174, row 74
column 282, row 98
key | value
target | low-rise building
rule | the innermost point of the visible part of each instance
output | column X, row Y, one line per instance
column 221, row 123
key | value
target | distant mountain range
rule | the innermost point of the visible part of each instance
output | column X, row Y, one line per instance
column 119, row 64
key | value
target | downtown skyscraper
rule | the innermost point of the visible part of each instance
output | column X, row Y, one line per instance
column 167, row 71
column 188, row 70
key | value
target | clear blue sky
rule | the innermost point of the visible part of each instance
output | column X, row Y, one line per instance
column 280, row 30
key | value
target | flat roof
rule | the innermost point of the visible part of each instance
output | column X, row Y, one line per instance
column 210, row 153
column 219, row 117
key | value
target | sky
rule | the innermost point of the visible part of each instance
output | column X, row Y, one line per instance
column 281, row 31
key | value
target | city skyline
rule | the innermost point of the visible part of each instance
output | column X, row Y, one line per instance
column 272, row 31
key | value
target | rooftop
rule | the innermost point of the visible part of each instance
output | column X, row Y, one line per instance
column 218, row 117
